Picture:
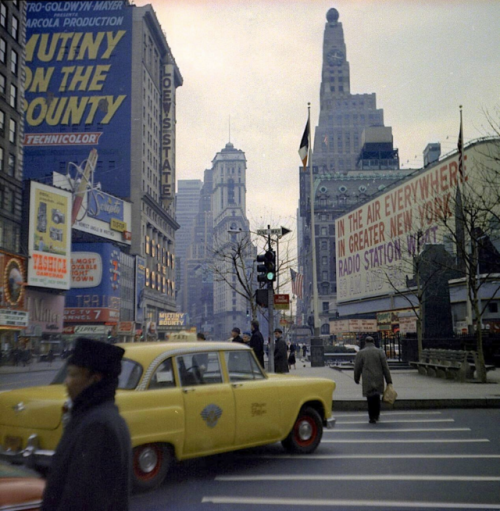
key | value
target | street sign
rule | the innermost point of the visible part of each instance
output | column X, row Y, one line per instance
column 282, row 302
column 280, row 231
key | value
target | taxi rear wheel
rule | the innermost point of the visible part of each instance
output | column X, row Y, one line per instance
column 306, row 432
column 151, row 463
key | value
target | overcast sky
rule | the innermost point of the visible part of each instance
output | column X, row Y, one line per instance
column 259, row 63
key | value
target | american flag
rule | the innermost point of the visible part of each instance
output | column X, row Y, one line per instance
column 460, row 146
column 297, row 281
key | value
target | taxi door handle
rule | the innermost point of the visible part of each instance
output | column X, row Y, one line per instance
column 188, row 390
column 236, row 385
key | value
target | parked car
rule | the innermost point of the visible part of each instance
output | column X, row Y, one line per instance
column 20, row 488
column 180, row 400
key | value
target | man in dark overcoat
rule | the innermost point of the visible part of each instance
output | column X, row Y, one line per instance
column 280, row 352
column 371, row 365
column 91, row 468
column 257, row 342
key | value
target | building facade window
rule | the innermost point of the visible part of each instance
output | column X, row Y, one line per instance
column 3, row 50
column 13, row 96
column 11, row 168
column 3, row 15
column 12, row 131
column 13, row 62
column 2, row 122
column 2, row 84
column 14, row 31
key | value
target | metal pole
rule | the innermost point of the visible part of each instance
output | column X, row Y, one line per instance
column 313, row 234
column 270, row 308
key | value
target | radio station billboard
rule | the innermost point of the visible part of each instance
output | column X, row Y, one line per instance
column 78, row 88
column 49, row 238
column 376, row 243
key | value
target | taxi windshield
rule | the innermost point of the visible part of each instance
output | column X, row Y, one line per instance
column 128, row 379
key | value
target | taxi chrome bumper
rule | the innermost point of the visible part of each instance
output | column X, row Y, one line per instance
column 330, row 423
column 32, row 456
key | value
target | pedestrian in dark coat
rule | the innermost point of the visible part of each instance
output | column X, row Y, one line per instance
column 235, row 334
column 257, row 342
column 371, row 365
column 280, row 352
column 91, row 468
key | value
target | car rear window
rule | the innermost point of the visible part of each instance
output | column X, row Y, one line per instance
column 128, row 380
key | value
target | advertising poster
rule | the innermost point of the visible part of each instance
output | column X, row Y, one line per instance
column 94, row 296
column 49, row 242
column 12, row 278
column 46, row 312
column 99, row 212
column 77, row 89
column 376, row 243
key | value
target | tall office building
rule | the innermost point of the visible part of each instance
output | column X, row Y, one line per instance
column 186, row 208
column 102, row 76
column 353, row 157
column 12, row 33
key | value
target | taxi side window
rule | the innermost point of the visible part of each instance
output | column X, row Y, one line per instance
column 163, row 377
column 199, row 369
column 241, row 366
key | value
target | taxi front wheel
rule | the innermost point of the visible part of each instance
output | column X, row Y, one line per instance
column 306, row 432
column 151, row 463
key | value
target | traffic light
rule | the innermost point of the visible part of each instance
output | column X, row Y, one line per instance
column 267, row 268
column 261, row 297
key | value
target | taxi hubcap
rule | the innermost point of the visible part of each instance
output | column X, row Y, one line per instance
column 148, row 459
column 305, row 430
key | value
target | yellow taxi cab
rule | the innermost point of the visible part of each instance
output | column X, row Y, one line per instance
column 180, row 400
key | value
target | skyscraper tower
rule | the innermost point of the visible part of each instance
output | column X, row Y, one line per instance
column 353, row 157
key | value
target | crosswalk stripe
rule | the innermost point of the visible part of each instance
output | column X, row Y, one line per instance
column 301, row 457
column 399, row 421
column 384, row 504
column 352, row 477
column 408, row 441
column 393, row 430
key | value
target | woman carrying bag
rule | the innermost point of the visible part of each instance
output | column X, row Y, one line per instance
column 371, row 365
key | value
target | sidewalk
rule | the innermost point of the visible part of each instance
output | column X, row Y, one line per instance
column 414, row 390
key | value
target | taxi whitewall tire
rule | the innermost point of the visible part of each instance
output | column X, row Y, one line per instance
column 150, row 465
column 306, row 432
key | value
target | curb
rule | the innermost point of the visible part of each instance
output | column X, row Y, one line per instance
column 418, row 404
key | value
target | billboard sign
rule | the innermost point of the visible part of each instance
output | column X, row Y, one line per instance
column 376, row 243
column 49, row 238
column 167, row 138
column 46, row 312
column 78, row 88
column 95, row 297
column 12, row 279
column 172, row 319
column 99, row 211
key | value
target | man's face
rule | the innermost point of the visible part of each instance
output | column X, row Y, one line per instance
column 78, row 379
column 277, row 335
column 246, row 338
column 233, row 334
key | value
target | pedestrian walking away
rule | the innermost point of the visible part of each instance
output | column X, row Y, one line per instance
column 291, row 357
column 257, row 342
column 371, row 366
column 235, row 334
column 280, row 352
column 91, row 468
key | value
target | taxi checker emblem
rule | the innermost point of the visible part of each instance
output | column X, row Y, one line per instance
column 19, row 407
column 211, row 415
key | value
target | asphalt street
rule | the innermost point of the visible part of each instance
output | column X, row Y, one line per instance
column 411, row 460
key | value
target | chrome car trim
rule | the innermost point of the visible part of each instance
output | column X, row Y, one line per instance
column 32, row 504
column 32, row 456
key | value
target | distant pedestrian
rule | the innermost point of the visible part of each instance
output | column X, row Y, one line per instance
column 371, row 365
column 257, row 342
column 291, row 356
column 280, row 352
column 235, row 334
column 304, row 351
column 246, row 337
column 91, row 468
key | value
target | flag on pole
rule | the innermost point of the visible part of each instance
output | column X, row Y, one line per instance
column 297, row 282
column 461, row 150
column 304, row 144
